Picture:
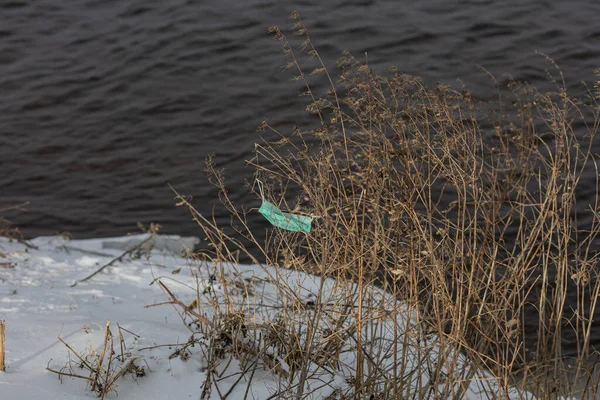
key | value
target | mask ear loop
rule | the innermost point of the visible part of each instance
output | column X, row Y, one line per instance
column 262, row 196
column 260, row 189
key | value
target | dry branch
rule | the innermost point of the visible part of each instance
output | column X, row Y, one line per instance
column 133, row 249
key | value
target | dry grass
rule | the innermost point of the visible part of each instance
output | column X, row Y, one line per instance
column 467, row 215
column 102, row 367
column 6, row 228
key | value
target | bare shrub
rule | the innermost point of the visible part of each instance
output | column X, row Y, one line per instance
column 467, row 215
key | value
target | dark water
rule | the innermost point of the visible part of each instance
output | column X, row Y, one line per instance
column 105, row 102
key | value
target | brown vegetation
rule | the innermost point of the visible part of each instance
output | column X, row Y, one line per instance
column 466, row 214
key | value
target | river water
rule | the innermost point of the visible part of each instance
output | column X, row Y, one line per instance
column 103, row 103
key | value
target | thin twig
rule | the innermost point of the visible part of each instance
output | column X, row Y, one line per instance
column 133, row 249
column 61, row 374
column 16, row 207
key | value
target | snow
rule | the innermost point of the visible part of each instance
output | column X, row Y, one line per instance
column 40, row 304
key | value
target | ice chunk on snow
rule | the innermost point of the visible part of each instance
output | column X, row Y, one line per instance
column 174, row 244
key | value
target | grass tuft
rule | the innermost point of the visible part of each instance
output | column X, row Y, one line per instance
column 102, row 367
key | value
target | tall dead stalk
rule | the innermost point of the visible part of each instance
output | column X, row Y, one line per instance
column 2, row 335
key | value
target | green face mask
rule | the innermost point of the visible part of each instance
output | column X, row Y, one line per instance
column 283, row 220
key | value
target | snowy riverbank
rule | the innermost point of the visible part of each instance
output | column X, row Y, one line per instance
column 39, row 304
